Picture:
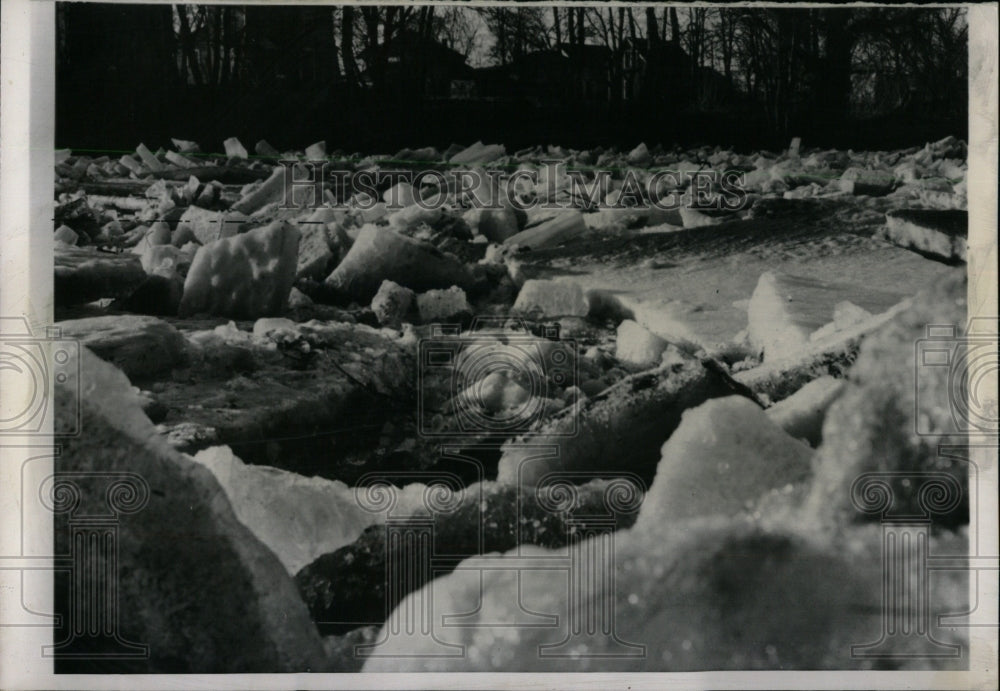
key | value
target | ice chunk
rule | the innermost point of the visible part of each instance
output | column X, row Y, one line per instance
column 564, row 227
column 234, row 149
column 435, row 305
column 725, row 455
column 802, row 413
column 637, row 346
column 380, row 253
column 66, row 235
column 941, row 234
column 479, row 153
column 392, row 304
column 246, row 276
column 551, row 299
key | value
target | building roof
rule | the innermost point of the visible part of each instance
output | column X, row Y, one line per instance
column 584, row 52
column 411, row 42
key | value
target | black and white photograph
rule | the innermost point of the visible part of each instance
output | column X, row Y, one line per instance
column 431, row 338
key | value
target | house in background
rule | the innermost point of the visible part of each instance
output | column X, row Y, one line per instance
column 287, row 47
column 589, row 73
column 414, row 65
column 552, row 76
column 411, row 66
column 489, row 83
column 655, row 70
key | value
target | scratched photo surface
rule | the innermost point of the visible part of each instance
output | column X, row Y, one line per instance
column 527, row 338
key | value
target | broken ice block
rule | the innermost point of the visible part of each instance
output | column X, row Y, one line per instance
column 66, row 235
column 938, row 233
column 148, row 159
column 552, row 233
column 316, row 152
column 551, row 299
column 638, row 346
column 438, row 305
column 234, row 149
column 245, row 276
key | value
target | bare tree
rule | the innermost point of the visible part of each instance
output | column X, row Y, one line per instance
column 652, row 34
column 347, row 47
column 456, row 28
column 187, row 44
column 518, row 30
column 725, row 39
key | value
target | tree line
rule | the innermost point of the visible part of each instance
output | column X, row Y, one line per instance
column 789, row 64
